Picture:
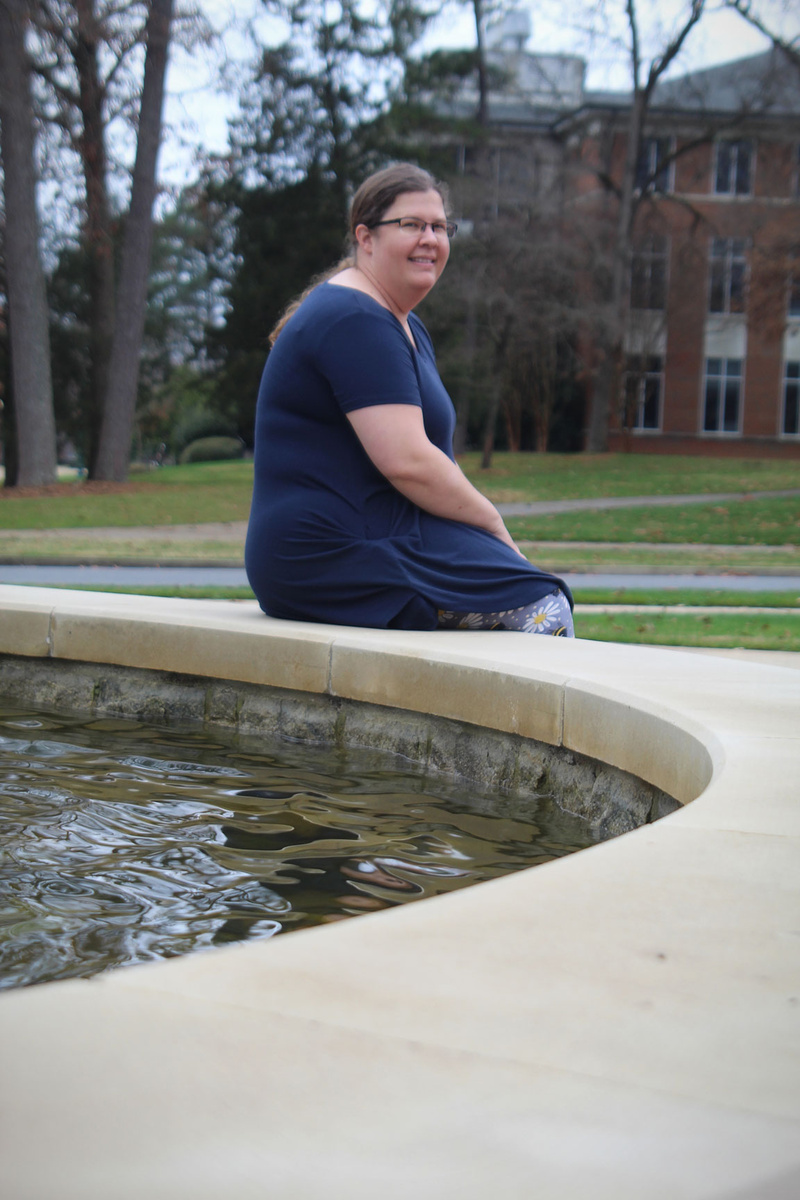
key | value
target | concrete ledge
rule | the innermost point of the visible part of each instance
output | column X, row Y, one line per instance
column 623, row 1023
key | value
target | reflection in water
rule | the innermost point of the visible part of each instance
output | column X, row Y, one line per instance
column 123, row 842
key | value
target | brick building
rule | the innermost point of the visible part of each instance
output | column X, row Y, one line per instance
column 713, row 338
column 712, row 344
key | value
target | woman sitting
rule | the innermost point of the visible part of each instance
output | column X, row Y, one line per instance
column 360, row 514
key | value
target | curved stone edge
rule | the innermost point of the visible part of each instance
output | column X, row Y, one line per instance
column 622, row 1022
column 493, row 764
column 539, row 691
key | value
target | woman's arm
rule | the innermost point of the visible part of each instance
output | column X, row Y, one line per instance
column 394, row 437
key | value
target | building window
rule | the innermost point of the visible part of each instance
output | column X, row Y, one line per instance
column 733, row 175
column 791, row 399
column 794, row 293
column 723, row 395
column 727, row 276
column 649, row 274
column 653, row 167
column 643, row 391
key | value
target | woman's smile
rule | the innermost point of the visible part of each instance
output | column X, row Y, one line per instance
column 405, row 263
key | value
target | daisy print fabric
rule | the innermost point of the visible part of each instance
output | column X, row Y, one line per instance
column 551, row 615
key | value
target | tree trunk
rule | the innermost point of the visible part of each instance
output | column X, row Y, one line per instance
column 465, row 390
column 120, row 404
column 490, row 426
column 27, row 298
column 482, row 115
column 98, row 238
column 606, row 390
column 544, row 390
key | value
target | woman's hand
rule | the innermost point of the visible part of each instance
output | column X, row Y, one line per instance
column 506, row 537
column 394, row 437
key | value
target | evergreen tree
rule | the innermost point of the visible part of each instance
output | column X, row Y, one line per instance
column 304, row 141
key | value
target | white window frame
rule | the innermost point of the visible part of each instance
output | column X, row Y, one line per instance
column 793, row 295
column 647, row 255
column 787, row 382
column 650, row 145
column 649, row 375
column 723, row 376
column 733, row 167
column 729, row 259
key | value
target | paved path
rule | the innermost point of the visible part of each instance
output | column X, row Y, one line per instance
column 235, row 530
column 203, row 576
column 542, row 507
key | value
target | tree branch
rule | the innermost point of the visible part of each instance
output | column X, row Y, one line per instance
column 790, row 48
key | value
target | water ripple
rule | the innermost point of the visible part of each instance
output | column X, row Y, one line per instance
column 123, row 843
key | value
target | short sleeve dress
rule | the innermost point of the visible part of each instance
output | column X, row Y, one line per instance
column 329, row 538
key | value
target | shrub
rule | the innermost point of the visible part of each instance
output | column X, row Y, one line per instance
column 197, row 424
column 212, row 449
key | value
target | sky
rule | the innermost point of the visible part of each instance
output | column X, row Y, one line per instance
column 197, row 110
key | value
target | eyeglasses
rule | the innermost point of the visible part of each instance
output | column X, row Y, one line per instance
column 418, row 226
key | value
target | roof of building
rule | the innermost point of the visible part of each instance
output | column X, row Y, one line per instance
column 546, row 91
column 762, row 83
column 765, row 84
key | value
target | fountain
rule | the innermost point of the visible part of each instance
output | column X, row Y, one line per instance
column 621, row 1022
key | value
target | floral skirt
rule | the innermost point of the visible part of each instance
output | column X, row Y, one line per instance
column 551, row 614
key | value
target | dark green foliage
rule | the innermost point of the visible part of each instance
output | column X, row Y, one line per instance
column 200, row 424
column 70, row 346
column 300, row 151
column 212, row 449
column 284, row 237
column 193, row 262
column 342, row 96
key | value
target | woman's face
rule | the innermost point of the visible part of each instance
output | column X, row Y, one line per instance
column 407, row 262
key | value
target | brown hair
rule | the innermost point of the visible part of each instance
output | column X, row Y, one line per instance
column 374, row 197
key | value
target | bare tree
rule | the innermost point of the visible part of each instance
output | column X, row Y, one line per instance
column 120, row 400
column 74, row 37
column 609, row 378
column 28, row 315
column 789, row 46
column 88, row 59
column 479, row 13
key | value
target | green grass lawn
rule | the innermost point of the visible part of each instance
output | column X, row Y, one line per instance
column 675, row 557
column 740, row 522
column 220, row 492
column 520, row 477
column 691, row 597
column 756, row 631
column 194, row 494
column 206, row 492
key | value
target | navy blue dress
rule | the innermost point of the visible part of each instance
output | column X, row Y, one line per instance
column 330, row 539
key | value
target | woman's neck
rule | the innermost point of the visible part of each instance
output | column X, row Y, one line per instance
column 363, row 280
column 381, row 293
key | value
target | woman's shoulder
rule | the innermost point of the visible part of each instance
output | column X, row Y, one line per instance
column 333, row 311
column 329, row 304
column 340, row 298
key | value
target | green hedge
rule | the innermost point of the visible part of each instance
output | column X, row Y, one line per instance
column 200, row 424
column 212, row 449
